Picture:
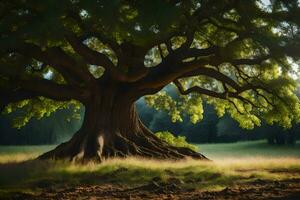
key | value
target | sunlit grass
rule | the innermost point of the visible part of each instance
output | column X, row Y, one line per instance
column 215, row 152
column 33, row 176
column 22, row 153
column 249, row 150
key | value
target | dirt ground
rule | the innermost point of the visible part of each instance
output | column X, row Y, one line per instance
column 259, row 189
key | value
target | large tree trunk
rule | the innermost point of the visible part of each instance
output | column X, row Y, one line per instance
column 112, row 128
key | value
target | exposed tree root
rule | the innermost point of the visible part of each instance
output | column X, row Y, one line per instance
column 115, row 130
column 142, row 144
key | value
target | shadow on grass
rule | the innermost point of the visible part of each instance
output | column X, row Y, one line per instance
column 35, row 176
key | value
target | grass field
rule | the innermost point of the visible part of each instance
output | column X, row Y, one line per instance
column 249, row 150
column 212, row 151
column 236, row 169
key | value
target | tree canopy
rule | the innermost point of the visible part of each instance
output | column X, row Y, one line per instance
column 240, row 56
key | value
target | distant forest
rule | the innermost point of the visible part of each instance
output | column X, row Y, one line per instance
column 60, row 126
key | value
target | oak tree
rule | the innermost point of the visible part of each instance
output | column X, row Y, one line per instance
column 238, row 55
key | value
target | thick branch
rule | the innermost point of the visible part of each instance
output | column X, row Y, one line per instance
column 88, row 31
column 49, row 89
column 41, row 87
column 194, row 52
column 52, row 90
column 282, row 16
column 172, row 66
column 250, row 61
column 97, row 58
column 54, row 56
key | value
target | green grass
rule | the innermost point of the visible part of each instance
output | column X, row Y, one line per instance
column 212, row 151
column 249, row 150
column 22, row 153
column 33, row 177
column 233, row 163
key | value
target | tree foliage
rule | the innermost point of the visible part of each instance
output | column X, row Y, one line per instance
column 179, row 141
column 239, row 56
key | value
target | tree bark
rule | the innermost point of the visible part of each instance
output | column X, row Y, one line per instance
column 112, row 128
